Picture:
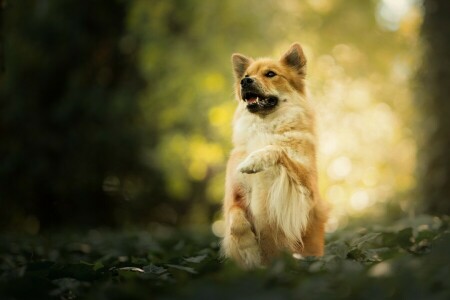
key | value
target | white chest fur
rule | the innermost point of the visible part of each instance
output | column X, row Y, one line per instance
column 273, row 197
column 252, row 132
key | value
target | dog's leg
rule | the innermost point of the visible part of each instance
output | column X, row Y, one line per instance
column 313, row 242
column 313, row 238
column 240, row 242
column 260, row 160
column 270, row 156
column 268, row 244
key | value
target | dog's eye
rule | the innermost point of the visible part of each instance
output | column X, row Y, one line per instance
column 246, row 75
column 270, row 74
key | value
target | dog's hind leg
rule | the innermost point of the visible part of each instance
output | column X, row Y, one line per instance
column 313, row 238
column 240, row 242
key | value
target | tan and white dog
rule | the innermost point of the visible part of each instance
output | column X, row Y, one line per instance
column 272, row 203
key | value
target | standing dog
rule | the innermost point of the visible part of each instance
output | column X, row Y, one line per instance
column 271, row 200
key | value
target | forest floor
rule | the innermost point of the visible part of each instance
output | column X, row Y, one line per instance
column 409, row 259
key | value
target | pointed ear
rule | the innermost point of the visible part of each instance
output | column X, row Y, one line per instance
column 240, row 64
column 295, row 58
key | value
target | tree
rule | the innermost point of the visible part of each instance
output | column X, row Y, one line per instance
column 68, row 110
column 433, row 100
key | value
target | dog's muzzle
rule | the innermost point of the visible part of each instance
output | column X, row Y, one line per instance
column 256, row 100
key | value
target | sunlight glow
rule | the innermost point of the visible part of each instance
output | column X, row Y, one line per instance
column 218, row 228
column 332, row 224
column 321, row 6
column 336, row 194
column 359, row 200
column 340, row 167
column 391, row 12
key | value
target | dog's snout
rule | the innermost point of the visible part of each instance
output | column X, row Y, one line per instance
column 246, row 82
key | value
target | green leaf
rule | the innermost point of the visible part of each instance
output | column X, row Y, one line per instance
column 153, row 269
column 196, row 259
column 340, row 249
column 357, row 254
column 129, row 272
column 139, row 261
column 131, row 269
column 425, row 235
column 365, row 239
column 98, row 265
column 404, row 237
column 389, row 239
column 182, row 268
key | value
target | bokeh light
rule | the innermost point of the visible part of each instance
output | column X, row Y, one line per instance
column 362, row 55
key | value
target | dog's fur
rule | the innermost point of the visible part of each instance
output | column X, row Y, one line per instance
column 271, row 200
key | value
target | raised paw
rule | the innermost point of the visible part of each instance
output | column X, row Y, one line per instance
column 258, row 161
column 250, row 166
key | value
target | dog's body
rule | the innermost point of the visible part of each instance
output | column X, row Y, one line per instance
column 271, row 201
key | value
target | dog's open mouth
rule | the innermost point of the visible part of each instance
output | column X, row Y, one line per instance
column 257, row 102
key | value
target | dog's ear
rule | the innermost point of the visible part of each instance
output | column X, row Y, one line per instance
column 295, row 58
column 240, row 64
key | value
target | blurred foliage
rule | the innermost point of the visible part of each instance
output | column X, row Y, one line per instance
column 358, row 75
column 68, row 112
column 118, row 112
column 405, row 260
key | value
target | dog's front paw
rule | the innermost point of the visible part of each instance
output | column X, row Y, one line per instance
column 258, row 161
column 250, row 166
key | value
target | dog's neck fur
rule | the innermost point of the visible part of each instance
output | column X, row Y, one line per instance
column 293, row 116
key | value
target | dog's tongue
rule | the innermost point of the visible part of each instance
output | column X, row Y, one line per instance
column 252, row 100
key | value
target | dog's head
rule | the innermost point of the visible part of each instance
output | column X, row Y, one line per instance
column 264, row 84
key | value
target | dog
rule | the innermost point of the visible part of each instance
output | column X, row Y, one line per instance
column 272, row 202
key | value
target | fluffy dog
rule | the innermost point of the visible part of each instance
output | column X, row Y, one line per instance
column 272, row 203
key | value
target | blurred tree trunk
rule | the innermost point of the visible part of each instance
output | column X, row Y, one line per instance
column 69, row 112
column 433, row 98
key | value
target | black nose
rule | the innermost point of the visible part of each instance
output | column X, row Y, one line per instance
column 246, row 82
